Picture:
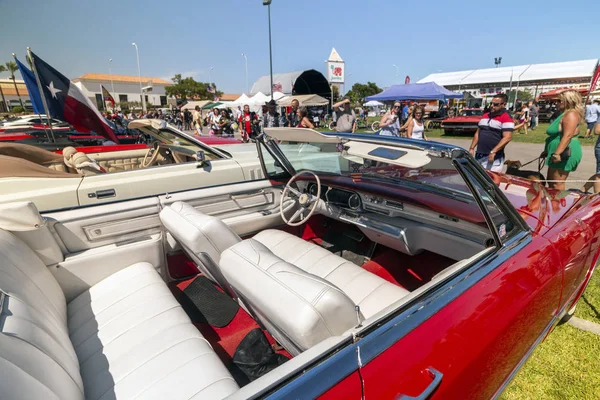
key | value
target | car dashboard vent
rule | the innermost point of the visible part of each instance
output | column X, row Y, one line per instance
column 376, row 210
column 394, row 204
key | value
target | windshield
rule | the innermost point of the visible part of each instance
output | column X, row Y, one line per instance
column 471, row 113
column 167, row 137
column 379, row 162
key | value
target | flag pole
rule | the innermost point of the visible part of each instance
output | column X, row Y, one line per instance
column 38, row 114
column 103, row 99
column 42, row 95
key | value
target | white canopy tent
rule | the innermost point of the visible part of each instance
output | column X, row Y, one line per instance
column 240, row 101
column 373, row 103
column 259, row 99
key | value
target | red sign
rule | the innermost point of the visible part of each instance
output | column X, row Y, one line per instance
column 407, row 80
column 595, row 79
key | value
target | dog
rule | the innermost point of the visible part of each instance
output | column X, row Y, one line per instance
column 513, row 168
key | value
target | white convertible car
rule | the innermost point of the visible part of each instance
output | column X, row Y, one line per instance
column 176, row 161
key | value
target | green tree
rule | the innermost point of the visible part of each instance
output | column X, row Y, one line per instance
column 188, row 88
column 359, row 91
column 335, row 93
column 523, row 95
column 3, row 69
column 11, row 66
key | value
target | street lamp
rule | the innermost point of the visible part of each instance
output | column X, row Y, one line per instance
column 349, row 81
column 395, row 66
column 268, row 4
column 497, row 61
column 246, row 58
column 112, row 86
column 137, row 53
column 209, row 76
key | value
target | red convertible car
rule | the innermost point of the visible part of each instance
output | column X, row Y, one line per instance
column 466, row 122
column 355, row 266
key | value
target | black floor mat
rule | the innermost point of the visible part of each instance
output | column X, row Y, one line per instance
column 205, row 303
column 351, row 246
column 254, row 357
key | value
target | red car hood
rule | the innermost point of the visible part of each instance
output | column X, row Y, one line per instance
column 539, row 206
column 473, row 119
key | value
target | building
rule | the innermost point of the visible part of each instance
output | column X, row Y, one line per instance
column 124, row 88
column 9, row 95
column 537, row 78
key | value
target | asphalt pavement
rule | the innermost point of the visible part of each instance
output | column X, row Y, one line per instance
column 525, row 152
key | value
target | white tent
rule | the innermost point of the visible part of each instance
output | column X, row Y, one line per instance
column 277, row 96
column 240, row 101
column 373, row 103
column 259, row 99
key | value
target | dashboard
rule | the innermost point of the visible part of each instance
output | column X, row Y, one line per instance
column 403, row 227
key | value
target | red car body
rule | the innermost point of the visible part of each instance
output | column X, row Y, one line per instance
column 466, row 122
column 469, row 338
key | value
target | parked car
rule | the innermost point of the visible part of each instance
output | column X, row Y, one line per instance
column 167, row 162
column 466, row 122
column 405, row 269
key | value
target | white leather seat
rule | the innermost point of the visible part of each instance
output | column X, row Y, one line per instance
column 366, row 289
column 202, row 237
column 299, row 309
column 126, row 337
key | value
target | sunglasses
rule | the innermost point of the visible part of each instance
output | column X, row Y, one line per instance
column 497, row 104
column 396, row 106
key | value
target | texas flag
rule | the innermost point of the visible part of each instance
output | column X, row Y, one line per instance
column 66, row 102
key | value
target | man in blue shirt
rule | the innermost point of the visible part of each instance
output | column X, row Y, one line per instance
column 404, row 113
column 592, row 116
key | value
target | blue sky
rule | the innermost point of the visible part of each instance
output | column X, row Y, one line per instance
column 189, row 36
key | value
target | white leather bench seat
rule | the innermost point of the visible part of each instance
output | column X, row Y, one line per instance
column 366, row 289
column 126, row 337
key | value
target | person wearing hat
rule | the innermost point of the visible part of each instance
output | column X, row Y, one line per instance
column 271, row 117
column 344, row 116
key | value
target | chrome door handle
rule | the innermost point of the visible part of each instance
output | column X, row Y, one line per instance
column 436, row 377
column 248, row 195
column 103, row 194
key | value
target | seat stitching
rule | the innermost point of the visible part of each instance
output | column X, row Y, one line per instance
column 285, row 286
column 47, row 355
column 107, row 293
column 130, row 328
column 212, row 384
column 161, row 378
column 359, row 273
column 200, row 229
column 104, row 345
column 371, row 292
column 33, row 377
column 98, row 312
column 336, row 268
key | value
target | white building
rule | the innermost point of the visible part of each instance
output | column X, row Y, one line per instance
column 538, row 78
column 123, row 88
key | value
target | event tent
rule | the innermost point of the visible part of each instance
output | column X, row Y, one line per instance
column 240, row 101
column 190, row 105
column 416, row 91
column 373, row 103
column 259, row 99
column 304, row 100
column 552, row 94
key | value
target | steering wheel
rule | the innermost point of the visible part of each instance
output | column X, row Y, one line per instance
column 304, row 201
column 151, row 155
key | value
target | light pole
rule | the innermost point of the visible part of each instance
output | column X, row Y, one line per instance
column 395, row 66
column 497, row 61
column 112, row 85
column 268, row 4
column 350, row 82
column 137, row 53
column 246, row 58
column 209, row 76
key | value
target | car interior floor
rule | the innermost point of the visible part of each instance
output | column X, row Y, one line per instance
column 346, row 240
column 232, row 332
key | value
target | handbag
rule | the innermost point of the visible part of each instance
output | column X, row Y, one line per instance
column 563, row 156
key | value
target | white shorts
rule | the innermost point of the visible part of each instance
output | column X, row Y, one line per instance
column 496, row 166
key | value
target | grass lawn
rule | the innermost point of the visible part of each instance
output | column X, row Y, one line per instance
column 565, row 366
column 537, row 136
column 588, row 306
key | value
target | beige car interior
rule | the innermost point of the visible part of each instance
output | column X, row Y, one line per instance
column 86, row 312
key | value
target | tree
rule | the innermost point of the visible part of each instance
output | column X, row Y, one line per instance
column 11, row 66
column 523, row 95
column 188, row 88
column 335, row 93
column 3, row 69
column 359, row 91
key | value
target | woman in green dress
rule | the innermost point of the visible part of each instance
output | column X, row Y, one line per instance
column 562, row 135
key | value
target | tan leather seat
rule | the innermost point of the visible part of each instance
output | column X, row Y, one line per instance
column 126, row 337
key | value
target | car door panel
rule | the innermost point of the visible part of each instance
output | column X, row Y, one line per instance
column 157, row 180
column 477, row 339
column 45, row 193
column 246, row 207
